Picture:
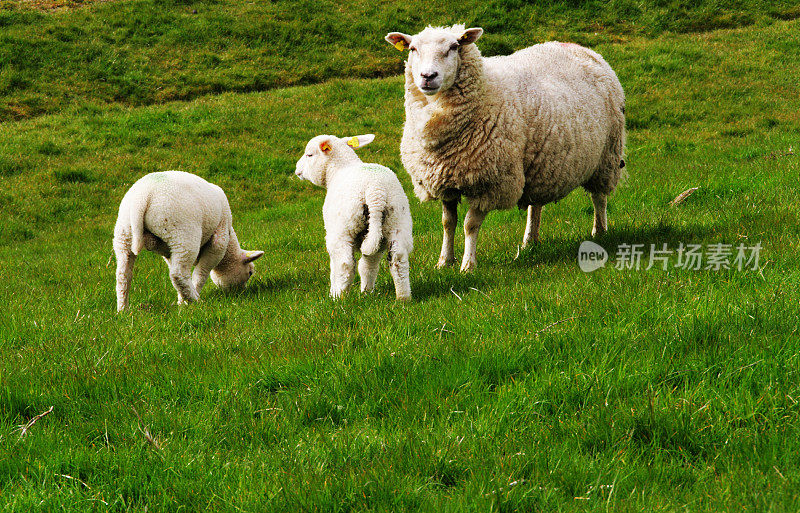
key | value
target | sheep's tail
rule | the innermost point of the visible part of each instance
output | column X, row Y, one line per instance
column 375, row 203
column 136, row 212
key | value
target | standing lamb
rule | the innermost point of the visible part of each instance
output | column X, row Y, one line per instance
column 522, row 129
column 186, row 220
column 365, row 207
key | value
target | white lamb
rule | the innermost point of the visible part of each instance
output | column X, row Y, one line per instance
column 523, row 129
column 186, row 220
column 365, row 207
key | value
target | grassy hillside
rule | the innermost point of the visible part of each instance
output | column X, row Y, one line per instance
column 526, row 386
column 141, row 52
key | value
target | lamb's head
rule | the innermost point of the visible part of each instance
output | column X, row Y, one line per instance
column 434, row 54
column 328, row 152
column 233, row 273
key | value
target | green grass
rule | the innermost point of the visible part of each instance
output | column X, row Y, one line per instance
column 525, row 386
column 141, row 52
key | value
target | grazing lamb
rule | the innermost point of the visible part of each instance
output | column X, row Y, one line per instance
column 522, row 129
column 186, row 220
column 365, row 207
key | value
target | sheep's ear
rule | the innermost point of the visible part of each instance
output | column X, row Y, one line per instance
column 249, row 256
column 358, row 141
column 470, row 36
column 398, row 40
column 325, row 146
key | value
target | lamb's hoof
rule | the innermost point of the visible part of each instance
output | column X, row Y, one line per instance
column 445, row 262
column 404, row 299
column 598, row 233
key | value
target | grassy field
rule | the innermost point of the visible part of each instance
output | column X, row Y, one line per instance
column 142, row 52
column 525, row 386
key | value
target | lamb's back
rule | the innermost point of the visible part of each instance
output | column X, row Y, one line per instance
column 178, row 202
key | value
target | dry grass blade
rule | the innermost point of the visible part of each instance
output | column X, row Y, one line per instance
column 682, row 196
column 555, row 324
column 23, row 429
column 145, row 431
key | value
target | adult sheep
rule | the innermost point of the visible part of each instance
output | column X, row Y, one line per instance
column 523, row 129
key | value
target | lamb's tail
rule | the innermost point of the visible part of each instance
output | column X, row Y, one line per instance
column 137, row 210
column 375, row 205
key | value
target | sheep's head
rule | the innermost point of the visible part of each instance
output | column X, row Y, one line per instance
column 325, row 152
column 433, row 54
column 235, row 274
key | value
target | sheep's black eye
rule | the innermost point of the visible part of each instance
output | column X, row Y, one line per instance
column 412, row 49
column 309, row 154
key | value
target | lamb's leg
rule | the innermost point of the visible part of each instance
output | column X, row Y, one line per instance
column 210, row 256
column 599, row 201
column 398, row 266
column 125, row 261
column 368, row 268
column 449, row 221
column 180, row 267
column 472, row 225
column 532, row 226
column 342, row 268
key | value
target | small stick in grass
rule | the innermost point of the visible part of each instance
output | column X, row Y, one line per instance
column 682, row 196
column 23, row 429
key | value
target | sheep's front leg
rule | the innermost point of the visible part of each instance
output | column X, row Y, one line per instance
column 449, row 221
column 125, row 261
column 532, row 226
column 472, row 225
column 180, row 267
column 599, row 200
column 342, row 267
column 210, row 256
column 368, row 268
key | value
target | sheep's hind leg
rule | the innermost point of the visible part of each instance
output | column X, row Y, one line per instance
column 532, row 225
column 449, row 221
column 342, row 268
column 180, row 266
column 368, row 267
column 472, row 225
column 125, row 260
column 599, row 200
column 401, row 275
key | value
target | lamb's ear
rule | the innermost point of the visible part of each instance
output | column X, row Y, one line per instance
column 249, row 256
column 398, row 40
column 358, row 141
column 325, row 146
column 470, row 36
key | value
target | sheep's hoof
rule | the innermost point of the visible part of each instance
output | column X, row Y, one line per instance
column 445, row 262
column 469, row 266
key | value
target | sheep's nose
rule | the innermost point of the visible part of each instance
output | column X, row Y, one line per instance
column 429, row 76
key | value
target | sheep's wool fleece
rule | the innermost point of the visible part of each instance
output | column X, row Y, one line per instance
column 349, row 191
column 523, row 129
column 179, row 208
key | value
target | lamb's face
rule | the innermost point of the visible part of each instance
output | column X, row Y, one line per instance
column 312, row 164
column 433, row 55
column 236, row 276
column 326, row 153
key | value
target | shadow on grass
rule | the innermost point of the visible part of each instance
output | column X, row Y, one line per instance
column 561, row 250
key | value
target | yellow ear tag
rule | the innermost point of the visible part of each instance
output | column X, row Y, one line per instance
column 325, row 147
column 353, row 142
column 400, row 45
